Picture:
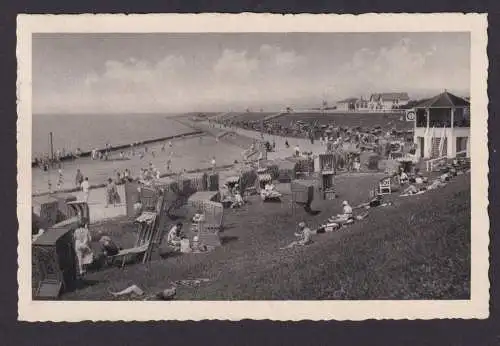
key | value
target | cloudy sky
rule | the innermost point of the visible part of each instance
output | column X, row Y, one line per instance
column 147, row 73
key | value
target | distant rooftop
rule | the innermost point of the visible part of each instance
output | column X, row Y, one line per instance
column 390, row 96
column 348, row 100
column 444, row 100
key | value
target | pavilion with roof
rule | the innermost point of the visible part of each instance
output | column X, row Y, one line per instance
column 444, row 118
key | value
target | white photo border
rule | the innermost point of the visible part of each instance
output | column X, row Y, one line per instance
column 477, row 307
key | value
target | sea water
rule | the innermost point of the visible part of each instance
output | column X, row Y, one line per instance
column 88, row 131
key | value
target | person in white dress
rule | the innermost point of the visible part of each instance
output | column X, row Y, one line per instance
column 86, row 189
column 84, row 253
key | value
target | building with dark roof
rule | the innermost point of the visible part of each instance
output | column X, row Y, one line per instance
column 442, row 126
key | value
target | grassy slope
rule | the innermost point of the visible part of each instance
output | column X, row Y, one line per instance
column 368, row 120
column 417, row 249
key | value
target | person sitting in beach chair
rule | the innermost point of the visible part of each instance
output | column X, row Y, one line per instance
column 108, row 246
column 269, row 192
column 419, row 180
column 347, row 210
column 356, row 165
column 174, row 237
column 346, row 216
column 197, row 222
column 403, row 177
column 304, row 236
column 238, row 200
column 197, row 246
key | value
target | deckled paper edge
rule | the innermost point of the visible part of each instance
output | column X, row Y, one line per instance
column 477, row 307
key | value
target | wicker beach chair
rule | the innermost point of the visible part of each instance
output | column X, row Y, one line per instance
column 146, row 228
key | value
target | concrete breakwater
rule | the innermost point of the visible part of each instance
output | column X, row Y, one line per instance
column 127, row 146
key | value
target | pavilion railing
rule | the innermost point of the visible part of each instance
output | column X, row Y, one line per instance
column 431, row 164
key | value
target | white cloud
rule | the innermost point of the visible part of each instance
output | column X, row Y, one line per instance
column 172, row 84
column 241, row 78
column 235, row 65
column 399, row 67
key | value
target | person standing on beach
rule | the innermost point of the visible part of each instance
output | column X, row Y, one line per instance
column 126, row 174
column 60, row 179
column 78, row 178
column 112, row 196
column 169, row 164
column 86, row 189
column 83, row 250
column 118, row 179
column 213, row 163
column 296, row 151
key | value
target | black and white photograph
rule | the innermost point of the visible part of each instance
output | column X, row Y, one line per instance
column 261, row 162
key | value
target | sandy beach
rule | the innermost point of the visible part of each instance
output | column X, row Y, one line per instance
column 189, row 153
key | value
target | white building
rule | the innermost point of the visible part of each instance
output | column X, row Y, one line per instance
column 446, row 118
column 348, row 104
column 388, row 101
column 362, row 104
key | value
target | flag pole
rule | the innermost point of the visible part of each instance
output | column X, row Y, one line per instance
column 51, row 161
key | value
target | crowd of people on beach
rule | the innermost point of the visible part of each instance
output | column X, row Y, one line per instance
column 311, row 130
column 359, row 138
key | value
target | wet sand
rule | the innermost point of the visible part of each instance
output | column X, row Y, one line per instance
column 281, row 150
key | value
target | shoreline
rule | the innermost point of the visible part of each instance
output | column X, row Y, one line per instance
column 201, row 128
column 102, row 185
column 124, row 146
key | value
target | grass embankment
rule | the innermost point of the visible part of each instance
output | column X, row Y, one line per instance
column 368, row 120
column 417, row 249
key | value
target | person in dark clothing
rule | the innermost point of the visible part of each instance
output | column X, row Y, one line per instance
column 109, row 248
column 78, row 178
